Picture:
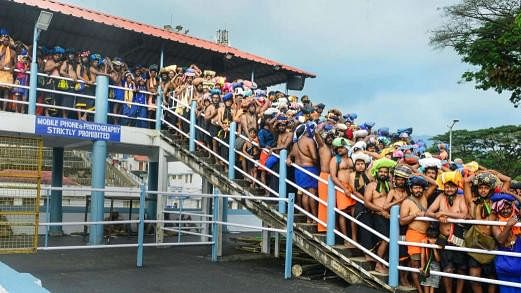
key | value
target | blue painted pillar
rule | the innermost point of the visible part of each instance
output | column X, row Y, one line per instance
column 56, row 211
column 99, row 154
column 331, row 203
column 394, row 234
column 282, row 180
column 191, row 142
column 33, row 79
column 289, row 236
column 231, row 151
column 153, row 171
column 215, row 231
column 159, row 97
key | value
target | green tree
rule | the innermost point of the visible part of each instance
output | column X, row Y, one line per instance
column 487, row 35
column 496, row 148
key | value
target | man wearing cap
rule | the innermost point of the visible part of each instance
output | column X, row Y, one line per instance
column 7, row 63
column 340, row 167
column 450, row 205
column 478, row 189
column 419, row 189
column 375, row 197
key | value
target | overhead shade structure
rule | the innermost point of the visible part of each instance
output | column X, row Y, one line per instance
column 137, row 43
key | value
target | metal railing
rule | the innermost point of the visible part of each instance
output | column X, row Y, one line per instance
column 333, row 212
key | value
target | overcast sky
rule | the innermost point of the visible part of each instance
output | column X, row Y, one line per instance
column 371, row 57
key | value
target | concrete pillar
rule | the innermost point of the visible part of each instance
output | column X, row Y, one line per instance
column 99, row 154
column 151, row 208
column 162, row 185
column 206, row 205
column 56, row 212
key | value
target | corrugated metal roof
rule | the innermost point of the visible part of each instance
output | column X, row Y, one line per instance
column 126, row 24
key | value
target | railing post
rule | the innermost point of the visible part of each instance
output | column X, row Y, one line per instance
column 141, row 227
column 394, row 233
column 231, row 151
column 159, row 97
column 282, row 180
column 215, row 225
column 99, row 155
column 47, row 216
column 33, row 78
column 57, row 181
column 289, row 237
column 331, row 203
column 191, row 145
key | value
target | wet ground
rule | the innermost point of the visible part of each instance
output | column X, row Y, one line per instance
column 173, row 269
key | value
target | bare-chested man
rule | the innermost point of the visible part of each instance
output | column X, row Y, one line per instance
column 375, row 200
column 419, row 189
column 478, row 189
column 340, row 168
column 305, row 153
column 52, row 67
column 248, row 120
column 68, row 69
column 116, row 78
column 7, row 65
column 325, row 152
column 450, row 205
column 211, row 117
column 359, row 179
column 225, row 116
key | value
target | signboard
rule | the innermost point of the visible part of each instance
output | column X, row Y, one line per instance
column 53, row 126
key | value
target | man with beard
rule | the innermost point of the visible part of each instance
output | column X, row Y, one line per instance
column 340, row 168
column 248, row 120
column 225, row 118
column 116, row 78
column 478, row 189
column 375, row 200
column 359, row 180
column 86, row 88
column 211, row 117
column 68, row 70
column 325, row 152
column 450, row 205
column 415, row 206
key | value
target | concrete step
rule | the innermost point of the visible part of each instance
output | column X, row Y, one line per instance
column 403, row 289
column 242, row 182
column 348, row 250
column 299, row 218
column 383, row 277
column 218, row 167
column 320, row 236
column 361, row 261
column 311, row 228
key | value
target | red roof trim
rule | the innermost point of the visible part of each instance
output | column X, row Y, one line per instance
column 153, row 31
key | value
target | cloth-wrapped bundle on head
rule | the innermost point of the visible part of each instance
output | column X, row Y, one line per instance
column 382, row 163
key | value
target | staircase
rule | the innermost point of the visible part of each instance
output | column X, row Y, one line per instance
column 77, row 166
column 347, row 262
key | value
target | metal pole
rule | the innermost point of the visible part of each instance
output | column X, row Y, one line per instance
column 191, row 144
column 450, row 143
column 231, row 151
column 57, row 181
column 282, row 180
column 394, row 233
column 99, row 154
column 289, row 237
column 252, row 75
column 331, row 203
column 159, row 97
column 34, row 74
column 141, row 227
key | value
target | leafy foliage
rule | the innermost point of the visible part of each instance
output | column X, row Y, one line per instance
column 487, row 35
column 496, row 148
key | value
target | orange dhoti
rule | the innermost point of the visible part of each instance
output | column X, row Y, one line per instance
column 322, row 194
column 344, row 201
column 414, row 236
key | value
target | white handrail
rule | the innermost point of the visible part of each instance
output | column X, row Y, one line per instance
column 464, row 249
column 463, row 277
